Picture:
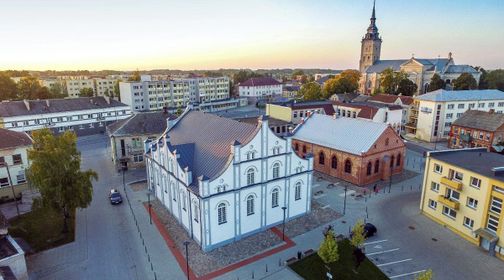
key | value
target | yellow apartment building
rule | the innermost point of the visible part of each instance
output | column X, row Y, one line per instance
column 464, row 191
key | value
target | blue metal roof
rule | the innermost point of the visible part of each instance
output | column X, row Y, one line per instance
column 442, row 95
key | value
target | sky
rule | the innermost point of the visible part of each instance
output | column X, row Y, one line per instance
column 213, row 34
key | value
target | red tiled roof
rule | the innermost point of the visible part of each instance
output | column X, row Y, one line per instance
column 11, row 139
column 406, row 100
column 261, row 81
column 366, row 112
column 328, row 108
column 385, row 98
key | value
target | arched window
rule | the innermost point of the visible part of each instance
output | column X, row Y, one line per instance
column 221, row 214
column 276, row 170
column 334, row 162
column 348, row 166
column 296, row 147
column 392, row 161
column 196, row 212
column 369, row 168
column 250, row 205
column 297, row 191
column 304, row 149
column 174, row 191
column 377, row 166
column 250, row 176
column 274, row 198
column 321, row 158
column 398, row 161
column 184, row 205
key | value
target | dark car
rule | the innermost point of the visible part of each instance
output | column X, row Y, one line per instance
column 115, row 197
column 369, row 230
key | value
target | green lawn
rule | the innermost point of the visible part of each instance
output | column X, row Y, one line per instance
column 312, row 267
column 42, row 228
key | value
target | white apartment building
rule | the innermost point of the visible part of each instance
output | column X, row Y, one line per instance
column 13, row 162
column 380, row 113
column 83, row 115
column 433, row 113
column 262, row 88
column 104, row 87
column 224, row 180
column 74, row 86
column 149, row 95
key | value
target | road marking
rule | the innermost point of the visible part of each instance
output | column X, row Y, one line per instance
column 382, row 252
column 406, row 274
column 326, row 206
column 389, row 263
column 374, row 242
column 349, row 192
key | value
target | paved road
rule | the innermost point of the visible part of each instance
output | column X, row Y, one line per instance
column 108, row 243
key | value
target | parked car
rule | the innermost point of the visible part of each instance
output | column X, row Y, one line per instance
column 369, row 230
column 115, row 196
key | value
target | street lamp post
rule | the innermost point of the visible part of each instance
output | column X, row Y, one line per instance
column 150, row 206
column 4, row 164
column 390, row 180
column 186, row 244
column 344, row 201
column 283, row 224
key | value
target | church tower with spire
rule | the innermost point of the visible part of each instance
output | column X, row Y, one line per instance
column 370, row 44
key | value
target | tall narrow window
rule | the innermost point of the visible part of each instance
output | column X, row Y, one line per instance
column 321, row 159
column 369, row 168
column 296, row 147
column 304, row 149
column 276, row 170
column 196, row 211
column 297, row 191
column 274, row 198
column 348, row 166
column 174, row 191
column 377, row 166
column 184, row 205
column 250, row 176
column 398, row 161
column 221, row 213
column 250, row 205
column 334, row 162
column 392, row 161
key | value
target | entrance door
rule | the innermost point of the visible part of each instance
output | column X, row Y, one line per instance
column 485, row 244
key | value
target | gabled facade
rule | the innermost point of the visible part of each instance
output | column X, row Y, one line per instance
column 13, row 162
column 224, row 180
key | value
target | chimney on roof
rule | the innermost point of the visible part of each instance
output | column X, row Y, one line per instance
column 27, row 104
column 47, row 103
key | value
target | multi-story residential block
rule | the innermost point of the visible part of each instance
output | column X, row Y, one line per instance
column 358, row 151
column 376, row 112
column 294, row 112
column 104, row 87
column 83, row 115
column 75, row 86
column 224, row 180
column 432, row 114
column 463, row 190
column 13, row 162
column 127, row 136
column 406, row 102
column 419, row 70
column 149, row 95
column 262, row 88
column 478, row 129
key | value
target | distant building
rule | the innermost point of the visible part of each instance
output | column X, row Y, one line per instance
column 153, row 95
column 463, row 190
column 279, row 127
column 13, row 162
column 127, row 136
column 224, row 180
column 262, row 88
column 432, row 114
column 12, row 259
column 420, row 71
column 104, row 87
column 406, row 102
column 358, row 151
column 380, row 113
column 478, row 129
column 75, row 86
column 294, row 112
column 83, row 115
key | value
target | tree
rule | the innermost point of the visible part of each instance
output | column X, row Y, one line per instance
column 426, row 275
column 495, row 79
column 310, row 91
column 117, row 91
column 345, row 82
column 436, row 83
column 135, row 77
column 328, row 250
column 296, row 73
column 358, row 236
column 465, row 82
column 86, row 92
column 55, row 172
column 8, row 89
column 179, row 111
column 406, row 87
column 28, row 88
column 483, row 81
column 243, row 75
column 56, row 91
column 304, row 79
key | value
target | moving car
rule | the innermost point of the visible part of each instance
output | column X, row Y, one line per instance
column 115, row 196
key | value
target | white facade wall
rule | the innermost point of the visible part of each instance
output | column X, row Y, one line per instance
column 104, row 86
column 74, row 86
column 230, row 188
column 260, row 92
column 16, row 169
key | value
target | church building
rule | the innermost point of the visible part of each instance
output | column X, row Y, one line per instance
column 419, row 70
column 223, row 179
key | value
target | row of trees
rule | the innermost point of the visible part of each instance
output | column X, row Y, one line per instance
column 345, row 82
column 27, row 88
